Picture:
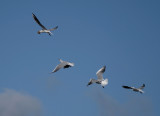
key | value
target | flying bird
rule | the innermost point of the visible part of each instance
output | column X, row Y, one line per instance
column 44, row 30
column 100, row 79
column 63, row 64
column 135, row 89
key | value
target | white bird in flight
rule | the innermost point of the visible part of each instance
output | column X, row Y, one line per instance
column 63, row 64
column 135, row 89
column 44, row 30
column 100, row 79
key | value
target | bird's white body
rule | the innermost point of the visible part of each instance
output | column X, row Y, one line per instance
column 45, row 31
column 104, row 82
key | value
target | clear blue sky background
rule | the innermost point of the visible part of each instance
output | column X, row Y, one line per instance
column 124, row 35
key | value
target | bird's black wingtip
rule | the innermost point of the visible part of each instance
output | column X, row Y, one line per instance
column 34, row 16
column 125, row 86
column 56, row 27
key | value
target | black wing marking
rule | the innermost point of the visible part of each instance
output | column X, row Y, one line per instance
column 91, row 81
column 36, row 19
column 49, row 34
column 104, row 69
column 127, row 87
column 67, row 66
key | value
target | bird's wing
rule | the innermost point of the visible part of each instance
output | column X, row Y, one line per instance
column 68, row 63
column 100, row 73
column 61, row 65
column 142, row 86
column 91, row 81
column 127, row 87
column 61, row 60
column 36, row 19
column 53, row 28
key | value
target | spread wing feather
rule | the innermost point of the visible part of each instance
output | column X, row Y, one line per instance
column 127, row 87
column 58, row 67
column 91, row 81
column 36, row 19
column 53, row 28
column 100, row 73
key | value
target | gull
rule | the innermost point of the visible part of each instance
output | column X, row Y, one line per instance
column 135, row 89
column 63, row 64
column 100, row 79
column 44, row 30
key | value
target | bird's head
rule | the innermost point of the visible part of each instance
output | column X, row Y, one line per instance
column 38, row 32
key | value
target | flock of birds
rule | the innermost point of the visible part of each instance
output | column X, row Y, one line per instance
column 65, row 64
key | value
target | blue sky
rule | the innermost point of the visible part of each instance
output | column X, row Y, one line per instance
column 123, row 35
